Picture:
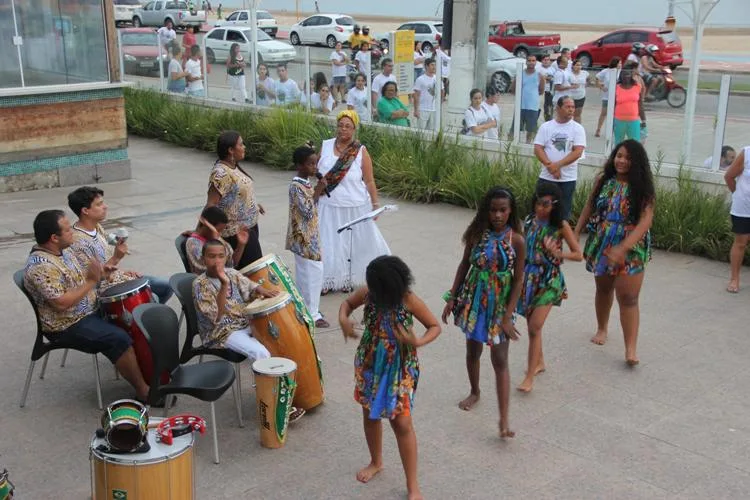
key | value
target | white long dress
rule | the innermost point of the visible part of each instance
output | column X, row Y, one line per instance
column 348, row 201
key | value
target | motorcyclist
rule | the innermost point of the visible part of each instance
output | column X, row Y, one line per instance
column 368, row 37
column 652, row 72
column 636, row 52
column 356, row 38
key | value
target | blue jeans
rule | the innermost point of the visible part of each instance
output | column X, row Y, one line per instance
column 94, row 333
column 160, row 287
column 568, row 189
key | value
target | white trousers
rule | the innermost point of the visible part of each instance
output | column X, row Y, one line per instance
column 243, row 342
column 308, row 274
column 426, row 120
column 238, row 92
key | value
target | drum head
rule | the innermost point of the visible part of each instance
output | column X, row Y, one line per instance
column 259, row 264
column 262, row 307
column 159, row 451
column 274, row 366
column 125, row 288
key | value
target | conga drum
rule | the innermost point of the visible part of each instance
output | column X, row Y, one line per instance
column 118, row 303
column 271, row 272
column 276, row 325
column 162, row 473
column 274, row 390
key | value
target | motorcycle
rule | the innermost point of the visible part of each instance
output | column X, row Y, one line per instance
column 669, row 90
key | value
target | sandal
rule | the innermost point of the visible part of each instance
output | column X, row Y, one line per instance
column 322, row 323
column 296, row 414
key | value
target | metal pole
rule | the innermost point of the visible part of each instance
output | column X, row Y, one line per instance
column 17, row 41
column 721, row 121
column 308, row 92
column 204, row 67
column 368, row 79
column 610, row 123
column 670, row 10
column 517, row 103
column 159, row 52
column 438, row 94
column 482, row 30
column 119, row 49
column 255, row 54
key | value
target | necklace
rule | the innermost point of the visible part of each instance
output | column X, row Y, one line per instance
column 339, row 149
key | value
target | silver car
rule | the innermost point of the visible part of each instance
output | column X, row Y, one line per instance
column 501, row 67
column 326, row 29
column 219, row 41
column 428, row 33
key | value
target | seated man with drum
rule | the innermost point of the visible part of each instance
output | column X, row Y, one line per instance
column 90, row 242
column 220, row 296
column 212, row 222
column 65, row 296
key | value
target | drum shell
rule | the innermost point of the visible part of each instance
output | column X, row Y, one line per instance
column 268, row 395
column 169, row 477
column 293, row 342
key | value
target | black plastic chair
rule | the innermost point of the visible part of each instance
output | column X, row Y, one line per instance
column 43, row 347
column 182, row 285
column 205, row 381
column 180, row 244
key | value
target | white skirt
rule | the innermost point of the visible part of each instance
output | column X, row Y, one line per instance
column 365, row 240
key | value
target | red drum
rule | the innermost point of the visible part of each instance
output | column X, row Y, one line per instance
column 117, row 303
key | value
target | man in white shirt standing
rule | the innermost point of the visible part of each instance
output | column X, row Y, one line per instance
column 425, row 92
column 558, row 145
column 194, row 73
column 166, row 34
column 547, row 71
column 378, row 82
column 287, row 90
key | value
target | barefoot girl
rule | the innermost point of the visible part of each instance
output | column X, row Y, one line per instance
column 544, row 283
column 486, row 290
column 385, row 365
column 618, row 216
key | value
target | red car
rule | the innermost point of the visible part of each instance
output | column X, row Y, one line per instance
column 512, row 36
column 141, row 52
column 620, row 43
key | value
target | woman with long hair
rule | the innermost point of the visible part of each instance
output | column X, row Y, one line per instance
column 629, row 114
column 236, row 74
column 603, row 81
column 477, row 121
column 265, row 95
column 578, row 78
column 618, row 216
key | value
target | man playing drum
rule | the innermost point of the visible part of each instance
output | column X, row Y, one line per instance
column 65, row 297
column 90, row 241
column 220, row 296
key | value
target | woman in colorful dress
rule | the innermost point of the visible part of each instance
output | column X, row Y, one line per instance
column 351, row 193
column 386, row 367
column 232, row 189
column 618, row 216
column 486, row 290
column 543, row 282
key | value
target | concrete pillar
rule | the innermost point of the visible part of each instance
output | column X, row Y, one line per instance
column 463, row 55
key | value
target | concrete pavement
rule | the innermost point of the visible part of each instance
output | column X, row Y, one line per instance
column 673, row 428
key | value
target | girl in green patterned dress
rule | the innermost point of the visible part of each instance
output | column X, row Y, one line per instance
column 486, row 290
column 544, row 283
column 386, row 367
column 618, row 216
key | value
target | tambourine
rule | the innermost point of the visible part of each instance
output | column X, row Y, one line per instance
column 179, row 425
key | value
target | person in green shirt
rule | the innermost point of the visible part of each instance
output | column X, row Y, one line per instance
column 390, row 108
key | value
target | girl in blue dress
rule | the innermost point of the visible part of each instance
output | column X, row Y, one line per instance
column 485, row 292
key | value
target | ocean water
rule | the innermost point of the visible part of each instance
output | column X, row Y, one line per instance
column 734, row 13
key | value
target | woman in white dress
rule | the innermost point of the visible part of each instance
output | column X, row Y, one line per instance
column 351, row 193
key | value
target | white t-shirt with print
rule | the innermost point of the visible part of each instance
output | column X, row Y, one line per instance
column 427, row 87
column 337, row 71
column 194, row 68
column 364, row 59
column 558, row 140
column 379, row 81
column 360, row 101
column 287, row 92
column 474, row 117
column 493, row 110
column 166, row 35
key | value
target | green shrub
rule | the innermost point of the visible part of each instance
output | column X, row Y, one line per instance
column 687, row 219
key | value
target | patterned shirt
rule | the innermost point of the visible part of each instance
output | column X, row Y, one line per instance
column 48, row 277
column 237, row 197
column 302, row 236
column 194, row 251
column 205, row 291
column 87, row 247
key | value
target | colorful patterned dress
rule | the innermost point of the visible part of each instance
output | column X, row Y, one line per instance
column 609, row 225
column 543, row 281
column 386, row 371
column 483, row 297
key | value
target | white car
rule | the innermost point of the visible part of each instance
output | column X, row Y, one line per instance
column 326, row 29
column 501, row 67
column 124, row 10
column 426, row 32
column 265, row 21
column 219, row 40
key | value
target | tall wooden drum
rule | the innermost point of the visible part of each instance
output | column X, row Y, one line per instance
column 274, row 390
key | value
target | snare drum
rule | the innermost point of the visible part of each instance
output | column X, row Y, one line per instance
column 162, row 473
column 276, row 325
column 274, row 390
column 117, row 304
column 124, row 423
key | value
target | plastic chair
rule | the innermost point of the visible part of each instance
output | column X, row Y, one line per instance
column 182, row 286
column 205, row 381
column 42, row 347
column 180, row 244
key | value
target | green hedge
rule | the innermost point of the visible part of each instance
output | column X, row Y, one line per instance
column 687, row 220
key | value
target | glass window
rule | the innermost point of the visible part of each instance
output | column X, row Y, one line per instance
column 343, row 21
column 243, row 16
column 614, row 38
column 216, row 35
column 10, row 69
column 263, row 15
column 423, row 28
column 637, row 36
column 157, row 6
column 149, row 6
column 262, row 36
column 439, row 27
column 235, row 36
column 232, row 16
column 128, row 2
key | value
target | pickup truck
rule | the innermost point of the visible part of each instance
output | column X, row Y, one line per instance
column 156, row 13
column 511, row 36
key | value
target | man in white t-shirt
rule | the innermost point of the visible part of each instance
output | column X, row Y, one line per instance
column 378, row 82
column 287, row 91
column 363, row 59
column 166, row 34
column 561, row 85
column 547, row 71
column 558, row 145
column 194, row 73
column 425, row 93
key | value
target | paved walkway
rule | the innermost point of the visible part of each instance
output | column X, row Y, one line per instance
column 676, row 427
